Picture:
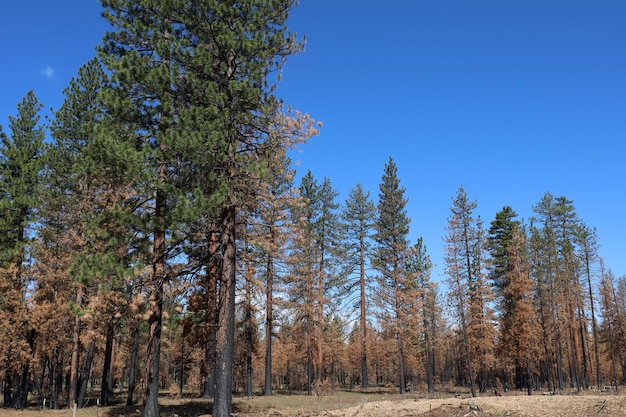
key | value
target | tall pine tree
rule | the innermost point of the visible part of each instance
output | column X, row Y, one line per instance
column 192, row 96
column 358, row 217
column 389, row 258
column 21, row 164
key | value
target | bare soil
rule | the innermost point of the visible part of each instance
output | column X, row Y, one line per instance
column 444, row 405
column 355, row 404
column 518, row 406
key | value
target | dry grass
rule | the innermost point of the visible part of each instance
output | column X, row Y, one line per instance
column 368, row 404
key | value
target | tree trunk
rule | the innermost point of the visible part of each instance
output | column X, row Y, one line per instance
column 8, row 384
column 73, row 388
column 529, row 378
column 155, row 304
column 429, row 362
column 132, row 366
column 309, row 368
column 21, row 388
column 468, row 356
column 214, row 268
column 594, row 326
column 319, row 369
column 85, row 371
column 106, row 369
column 249, row 336
column 58, row 378
column 222, row 406
column 269, row 321
column 364, row 376
column 402, row 365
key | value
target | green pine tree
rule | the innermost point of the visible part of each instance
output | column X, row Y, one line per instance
column 193, row 104
column 21, row 165
column 358, row 218
column 389, row 258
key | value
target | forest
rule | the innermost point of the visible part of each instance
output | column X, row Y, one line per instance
column 155, row 236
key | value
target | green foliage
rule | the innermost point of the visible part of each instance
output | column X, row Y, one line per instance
column 392, row 224
column 20, row 172
column 499, row 242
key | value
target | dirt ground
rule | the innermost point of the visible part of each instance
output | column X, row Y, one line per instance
column 510, row 405
column 384, row 404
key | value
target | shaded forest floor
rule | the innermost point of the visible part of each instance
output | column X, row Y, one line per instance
column 373, row 404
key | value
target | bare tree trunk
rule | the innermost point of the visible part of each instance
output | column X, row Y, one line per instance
column 222, row 405
column 155, row 305
column 106, row 369
column 319, row 369
column 249, row 336
column 85, row 371
column 214, row 268
column 402, row 365
column 73, row 388
column 529, row 378
column 309, row 369
column 132, row 366
column 593, row 321
column 400, row 330
column 58, row 378
column 8, row 383
column 269, row 321
column 364, row 376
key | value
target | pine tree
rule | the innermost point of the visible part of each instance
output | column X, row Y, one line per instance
column 525, row 326
column 328, row 238
column 429, row 313
column 613, row 320
column 358, row 216
column 588, row 243
column 389, row 258
column 191, row 87
column 303, row 264
column 501, row 267
column 74, row 195
column 465, row 264
column 560, row 291
column 313, row 275
column 21, row 163
column 269, row 237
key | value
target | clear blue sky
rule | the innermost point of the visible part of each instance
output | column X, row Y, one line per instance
column 509, row 99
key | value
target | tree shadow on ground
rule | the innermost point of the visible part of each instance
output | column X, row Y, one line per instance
column 184, row 409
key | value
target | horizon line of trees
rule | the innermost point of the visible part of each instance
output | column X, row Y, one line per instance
column 153, row 236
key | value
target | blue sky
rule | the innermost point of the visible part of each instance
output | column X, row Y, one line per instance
column 509, row 99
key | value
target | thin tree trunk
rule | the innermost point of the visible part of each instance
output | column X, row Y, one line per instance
column 529, row 378
column 430, row 365
column 8, row 383
column 85, row 371
column 402, row 365
column 222, row 406
column 74, row 364
column 269, row 321
column 468, row 265
column 249, row 336
column 155, row 305
column 364, row 376
column 593, row 322
column 132, row 366
column 585, row 348
column 58, row 378
column 319, row 369
column 309, row 369
column 400, row 330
